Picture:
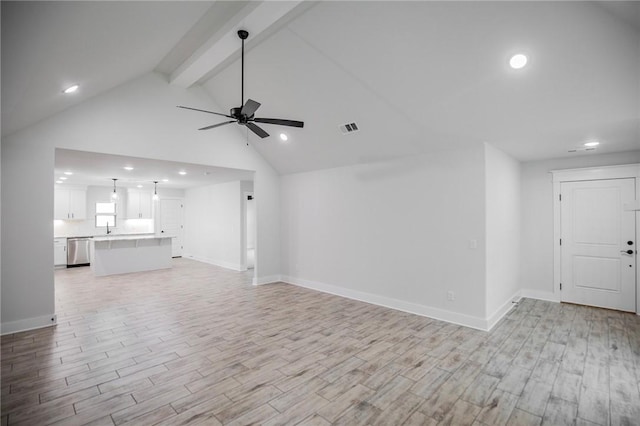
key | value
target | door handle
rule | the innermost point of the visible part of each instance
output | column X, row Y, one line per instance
column 626, row 251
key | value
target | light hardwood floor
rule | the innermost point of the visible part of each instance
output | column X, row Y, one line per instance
column 198, row 345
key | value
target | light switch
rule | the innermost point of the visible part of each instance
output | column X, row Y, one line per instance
column 473, row 244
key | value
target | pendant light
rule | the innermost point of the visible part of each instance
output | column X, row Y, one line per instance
column 114, row 194
column 155, row 191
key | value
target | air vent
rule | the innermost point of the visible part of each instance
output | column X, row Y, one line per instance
column 581, row 149
column 349, row 128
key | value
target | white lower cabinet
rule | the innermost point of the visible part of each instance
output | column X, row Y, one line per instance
column 59, row 252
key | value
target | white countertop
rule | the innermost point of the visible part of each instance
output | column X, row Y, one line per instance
column 129, row 237
column 105, row 235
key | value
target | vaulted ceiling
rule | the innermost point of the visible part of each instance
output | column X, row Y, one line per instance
column 415, row 76
column 48, row 46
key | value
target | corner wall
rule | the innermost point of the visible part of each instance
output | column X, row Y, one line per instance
column 502, row 174
column 27, row 244
column 394, row 233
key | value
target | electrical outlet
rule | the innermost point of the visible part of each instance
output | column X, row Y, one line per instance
column 451, row 296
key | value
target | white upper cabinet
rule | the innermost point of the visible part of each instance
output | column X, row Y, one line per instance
column 70, row 204
column 78, row 203
column 61, row 199
column 139, row 204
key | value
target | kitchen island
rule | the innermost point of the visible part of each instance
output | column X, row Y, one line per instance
column 120, row 254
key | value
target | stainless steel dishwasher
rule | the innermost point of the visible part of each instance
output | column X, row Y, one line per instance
column 78, row 251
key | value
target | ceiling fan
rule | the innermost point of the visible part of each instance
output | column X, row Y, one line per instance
column 244, row 115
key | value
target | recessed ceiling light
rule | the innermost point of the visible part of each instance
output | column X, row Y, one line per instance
column 591, row 144
column 284, row 137
column 58, row 181
column 71, row 89
column 68, row 173
column 518, row 61
column 165, row 180
column 62, row 178
column 139, row 186
column 128, row 168
column 182, row 172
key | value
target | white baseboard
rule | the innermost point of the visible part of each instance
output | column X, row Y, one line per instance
column 387, row 302
column 29, row 324
column 503, row 310
column 267, row 280
column 221, row 263
column 540, row 295
column 256, row 281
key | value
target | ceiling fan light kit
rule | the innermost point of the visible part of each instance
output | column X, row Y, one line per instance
column 244, row 115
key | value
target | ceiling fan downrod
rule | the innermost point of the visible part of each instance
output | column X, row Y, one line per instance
column 243, row 34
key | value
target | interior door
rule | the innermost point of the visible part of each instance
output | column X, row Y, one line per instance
column 598, row 245
column 171, row 223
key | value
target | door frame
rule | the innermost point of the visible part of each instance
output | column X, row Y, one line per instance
column 584, row 174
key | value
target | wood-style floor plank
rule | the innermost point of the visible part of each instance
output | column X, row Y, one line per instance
column 198, row 344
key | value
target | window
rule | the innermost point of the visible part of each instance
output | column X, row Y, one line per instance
column 105, row 215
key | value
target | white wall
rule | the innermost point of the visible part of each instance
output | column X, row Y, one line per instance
column 503, row 231
column 170, row 193
column 393, row 233
column 0, row 223
column 213, row 224
column 536, row 270
column 138, row 119
column 27, row 228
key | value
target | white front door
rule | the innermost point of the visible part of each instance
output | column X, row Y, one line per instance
column 596, row 234
column 171, row 223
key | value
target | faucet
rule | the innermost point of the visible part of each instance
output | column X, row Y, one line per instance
column 108, row 231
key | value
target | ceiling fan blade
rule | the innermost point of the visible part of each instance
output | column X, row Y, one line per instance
column 217, row 125
column 257, row 130
column 291, row 123
column 250, row 107
column 202, row 110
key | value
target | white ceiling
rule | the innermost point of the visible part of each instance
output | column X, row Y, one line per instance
column 50, row 45
column 90, row 168
column 415, row 76
column 424, row 76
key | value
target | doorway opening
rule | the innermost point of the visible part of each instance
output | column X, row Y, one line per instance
column 195, row 204
column 250, row 226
